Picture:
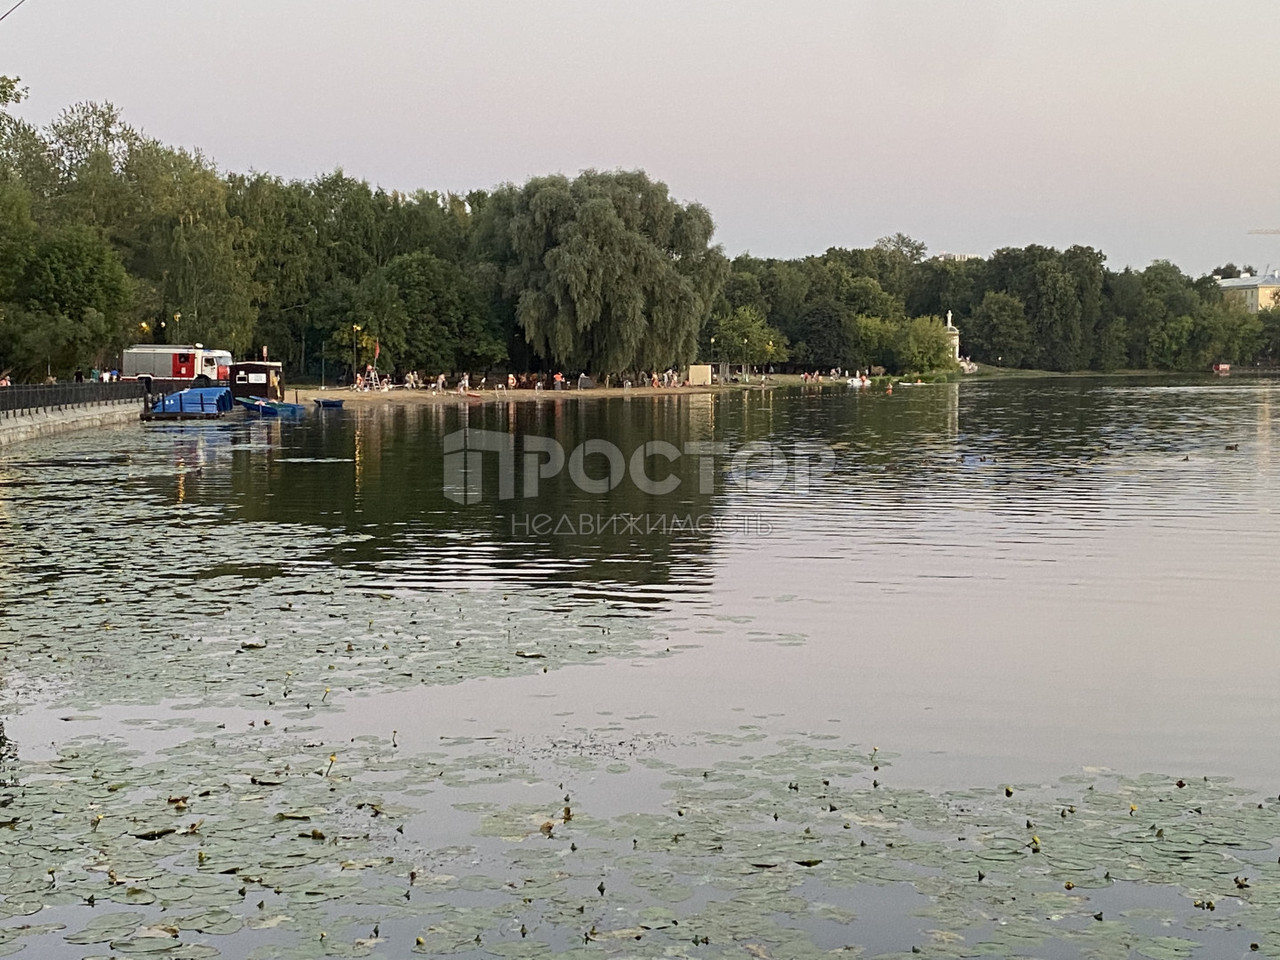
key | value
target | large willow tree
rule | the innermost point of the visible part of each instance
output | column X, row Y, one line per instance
column 607, row 272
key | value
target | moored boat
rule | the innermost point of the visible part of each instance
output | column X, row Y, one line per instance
column 263, row 408
column 270, row 408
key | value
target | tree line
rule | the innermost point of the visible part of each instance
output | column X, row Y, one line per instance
column 110, row 237
column 1032, row 307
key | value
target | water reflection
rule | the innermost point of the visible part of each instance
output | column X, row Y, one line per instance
column 383, row 471
column 927, row 462
column 981, row 561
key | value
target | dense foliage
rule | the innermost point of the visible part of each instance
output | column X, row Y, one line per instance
column 607, row 272
column 109, row 237
column 1033, row 307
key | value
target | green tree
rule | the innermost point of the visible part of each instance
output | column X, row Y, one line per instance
column 10, row 91
column 1229, row 271
column 742, row 288
column 998, row 331
column 199, row 260
column 896, row 258
column 1085, row 266
column 279, row 228
column 607, row 272
column 941, row 285
column 17, row 236
column 1110, row 348
column 1169, row 340
column 826, row 327
column 744, row 336
column 919, row 345
column 784, row 284
column 1268, row 349
column 446, row 313
column 70, row 305
column 1055, row 311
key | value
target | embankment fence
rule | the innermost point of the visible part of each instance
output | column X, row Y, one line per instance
column 25, row 398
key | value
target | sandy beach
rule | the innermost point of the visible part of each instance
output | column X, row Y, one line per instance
column 402, row 396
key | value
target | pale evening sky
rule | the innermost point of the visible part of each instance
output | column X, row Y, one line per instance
column 1147, row 129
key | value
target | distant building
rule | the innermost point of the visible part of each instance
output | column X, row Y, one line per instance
column 1256, row 293
column 958, row 257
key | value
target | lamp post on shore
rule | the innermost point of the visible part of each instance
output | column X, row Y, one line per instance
column 355, row 328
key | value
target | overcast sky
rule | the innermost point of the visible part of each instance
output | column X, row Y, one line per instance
column 1146, row 129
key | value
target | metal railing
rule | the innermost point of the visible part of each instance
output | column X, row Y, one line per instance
column 37, row 396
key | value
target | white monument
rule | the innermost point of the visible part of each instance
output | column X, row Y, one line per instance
column 953, row 335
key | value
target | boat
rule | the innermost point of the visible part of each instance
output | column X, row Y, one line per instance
column 329, row 403
column 263, row 408
column 270, row 408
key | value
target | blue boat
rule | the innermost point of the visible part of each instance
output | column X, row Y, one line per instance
column 196, row 403
column 261, row 407
column 270, row 408
column 329, row 403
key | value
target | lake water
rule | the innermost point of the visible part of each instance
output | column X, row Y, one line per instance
column 974, row 586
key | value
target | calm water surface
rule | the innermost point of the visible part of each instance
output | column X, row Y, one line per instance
column 997, row 579
column 998, row 582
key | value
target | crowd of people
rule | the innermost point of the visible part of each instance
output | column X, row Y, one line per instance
column 511, row 381
column 95, row 376
column 836, row 374
column 369, row 380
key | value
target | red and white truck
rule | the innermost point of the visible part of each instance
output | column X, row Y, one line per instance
column 166, row 367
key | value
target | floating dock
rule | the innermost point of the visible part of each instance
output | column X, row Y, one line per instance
column 198, row 403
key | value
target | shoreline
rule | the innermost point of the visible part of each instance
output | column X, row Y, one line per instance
column 399, row 395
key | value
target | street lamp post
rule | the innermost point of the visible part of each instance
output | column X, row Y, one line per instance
column 177, row 316
column 744, row 356
column 355, row 328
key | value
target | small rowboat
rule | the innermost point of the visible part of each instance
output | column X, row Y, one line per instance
column 270, row 408
column 329, row 403
column 260, row 407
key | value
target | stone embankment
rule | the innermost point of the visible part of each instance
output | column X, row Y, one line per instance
column 28, row 423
